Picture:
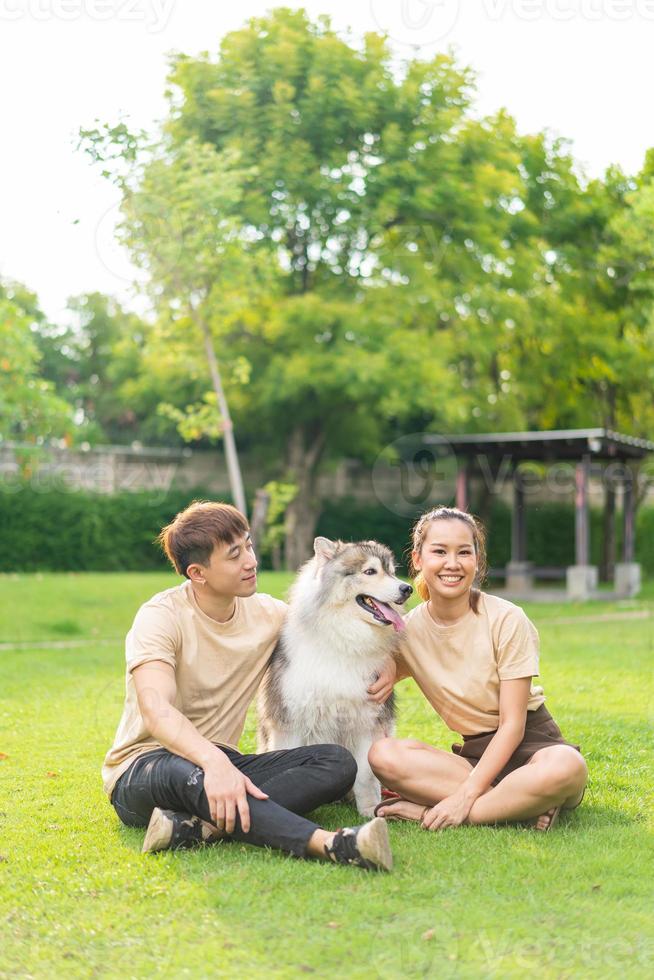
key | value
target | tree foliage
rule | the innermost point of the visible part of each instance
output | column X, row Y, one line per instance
column 370, row 257
column 30, row 410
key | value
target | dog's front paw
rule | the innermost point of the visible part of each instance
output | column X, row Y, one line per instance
column 367, row 810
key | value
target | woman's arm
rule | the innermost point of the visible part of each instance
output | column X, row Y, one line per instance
column 454, row 809
column 382, row 687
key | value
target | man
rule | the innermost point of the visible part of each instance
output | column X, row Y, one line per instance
column 196, row 654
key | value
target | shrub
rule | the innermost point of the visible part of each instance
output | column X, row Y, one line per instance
column 80, row 531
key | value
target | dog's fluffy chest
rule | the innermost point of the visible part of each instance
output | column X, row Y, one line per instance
column 310, row 678
column 324, row 694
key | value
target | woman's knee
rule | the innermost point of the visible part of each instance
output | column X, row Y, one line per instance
column 564, row 770
column 578, row 771
column 384, row 756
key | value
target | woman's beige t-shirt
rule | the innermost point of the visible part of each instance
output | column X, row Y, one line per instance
column 218, row 667
column 459, row 668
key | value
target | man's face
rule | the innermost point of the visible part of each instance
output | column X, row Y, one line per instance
column 232, row 570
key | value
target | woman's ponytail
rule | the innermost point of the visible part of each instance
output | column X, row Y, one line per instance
column 421, row 587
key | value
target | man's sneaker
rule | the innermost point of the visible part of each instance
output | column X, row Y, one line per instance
column 171, row 831
column 366, row 846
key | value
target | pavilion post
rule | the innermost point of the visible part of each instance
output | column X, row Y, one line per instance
column 628, row 518
column 627, row 572
column 518, row 520
column 519, row 571
column 582, row 522
column 461, row 498
column 607, row 564
column 582, row 577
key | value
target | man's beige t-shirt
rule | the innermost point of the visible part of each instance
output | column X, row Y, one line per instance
column 218, row 667
column 459, row 668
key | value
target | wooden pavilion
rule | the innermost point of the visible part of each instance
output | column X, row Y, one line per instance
column 605, row 451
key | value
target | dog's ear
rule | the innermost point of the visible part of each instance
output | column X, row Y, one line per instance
column 324, row 549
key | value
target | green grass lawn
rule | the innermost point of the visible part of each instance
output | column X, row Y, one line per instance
column 78, row 899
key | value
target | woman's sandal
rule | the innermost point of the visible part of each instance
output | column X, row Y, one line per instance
column 390, row 817
column 553, row 815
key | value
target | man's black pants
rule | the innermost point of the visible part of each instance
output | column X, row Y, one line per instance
column 296, row 781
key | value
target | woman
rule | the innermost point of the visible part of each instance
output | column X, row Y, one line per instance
column 473, row 656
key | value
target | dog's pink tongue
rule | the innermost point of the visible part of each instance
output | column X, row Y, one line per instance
column 391, row 614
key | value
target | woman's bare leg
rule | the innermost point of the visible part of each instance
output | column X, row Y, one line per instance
column 554, row 776
column 421, row 774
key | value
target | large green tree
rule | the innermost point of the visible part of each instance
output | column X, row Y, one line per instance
column 388, row 212
column 369, row 257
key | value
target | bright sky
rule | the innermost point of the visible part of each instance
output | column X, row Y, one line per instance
column 581, row 68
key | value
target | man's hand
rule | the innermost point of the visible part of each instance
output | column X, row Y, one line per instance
column 226, row 788
column 382, row 688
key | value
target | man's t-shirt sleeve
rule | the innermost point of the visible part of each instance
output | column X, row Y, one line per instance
column 281, row 610
column 276, row 609
column 517, row 647
column 154, row 636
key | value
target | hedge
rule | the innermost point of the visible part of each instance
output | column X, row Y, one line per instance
column 79, row 531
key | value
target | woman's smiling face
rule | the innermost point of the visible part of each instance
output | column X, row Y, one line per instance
column 447, row 559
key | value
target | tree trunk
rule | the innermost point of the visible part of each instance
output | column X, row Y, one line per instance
column 259, row 517
column 231, row 454
column 305, row 448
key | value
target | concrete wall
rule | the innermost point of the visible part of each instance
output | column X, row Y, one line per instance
column 109, row 469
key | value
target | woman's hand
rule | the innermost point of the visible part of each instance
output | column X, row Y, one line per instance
column 382, row 688
column 450, row 812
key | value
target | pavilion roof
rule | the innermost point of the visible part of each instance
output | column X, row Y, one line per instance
column 549, row 445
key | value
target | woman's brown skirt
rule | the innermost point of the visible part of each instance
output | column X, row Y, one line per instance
column 541, row 731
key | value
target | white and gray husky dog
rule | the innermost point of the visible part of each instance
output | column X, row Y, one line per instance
column 342, row 626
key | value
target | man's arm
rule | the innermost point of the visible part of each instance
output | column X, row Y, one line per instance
column 225, row 786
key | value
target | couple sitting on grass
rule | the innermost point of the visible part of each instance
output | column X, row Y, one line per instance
column 196, row 655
